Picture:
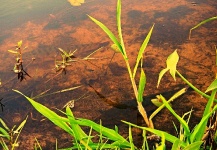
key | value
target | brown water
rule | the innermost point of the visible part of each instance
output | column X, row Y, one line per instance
column 46, row 25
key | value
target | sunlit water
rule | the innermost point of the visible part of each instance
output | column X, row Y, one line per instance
column 46, row 25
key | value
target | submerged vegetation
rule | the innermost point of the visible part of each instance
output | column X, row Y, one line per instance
column 202, row 136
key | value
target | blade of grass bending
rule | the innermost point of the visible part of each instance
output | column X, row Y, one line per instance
column 109, row 133
column 195, row 145
column 193, row 87
column 210, row 102
column 79, row 134
column 168, row 136
column 182, row 121
column 142, row 83
column 51, row 115
column 108, row 32
column 201, row 23
column 142, row 49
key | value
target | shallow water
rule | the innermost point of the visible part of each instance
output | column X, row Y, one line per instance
column 46, row 25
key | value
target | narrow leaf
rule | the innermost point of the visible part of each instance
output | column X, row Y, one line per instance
column 168, row 136
column 51, row 115
column 142, row 49
column 20, row 126
column 13, row 52
column 109, row 133
column 4, row 133
column 176, row 145
column 120, row 30
column 4, row 124
column 212, row 86
column 195, row 145
column 142, row 83
column 200, row 128
column 108, row 32
column 161, row 75
column 78, row 132
column 201, row 23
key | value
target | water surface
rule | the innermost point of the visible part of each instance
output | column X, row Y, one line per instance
column 45, row 25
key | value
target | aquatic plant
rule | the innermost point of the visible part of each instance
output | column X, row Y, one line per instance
column 119, row 46
column 201, row 23
column 18, row 66
column 110, row 138
column 72, row 126
column 188, row 139
column 9, row 137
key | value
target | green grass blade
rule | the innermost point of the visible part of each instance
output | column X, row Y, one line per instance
column 142, row 83
column 193, row 87
column 176, row 145
column 180, row 119
column 206, row 112
column 119, row 28
column 51, row 115
column 210, row 102
column 142, row 49
column 108, row 32
column 212, row 86
column 201, row 23
column 131, row 138
column 162, row 144
column 195, row 145
column 21, row 126
column 4, row 133
column 200, row 128
column 168, row 136
column 4, row 124
column 161, row 75
column 79, row 134
column 109, row 133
